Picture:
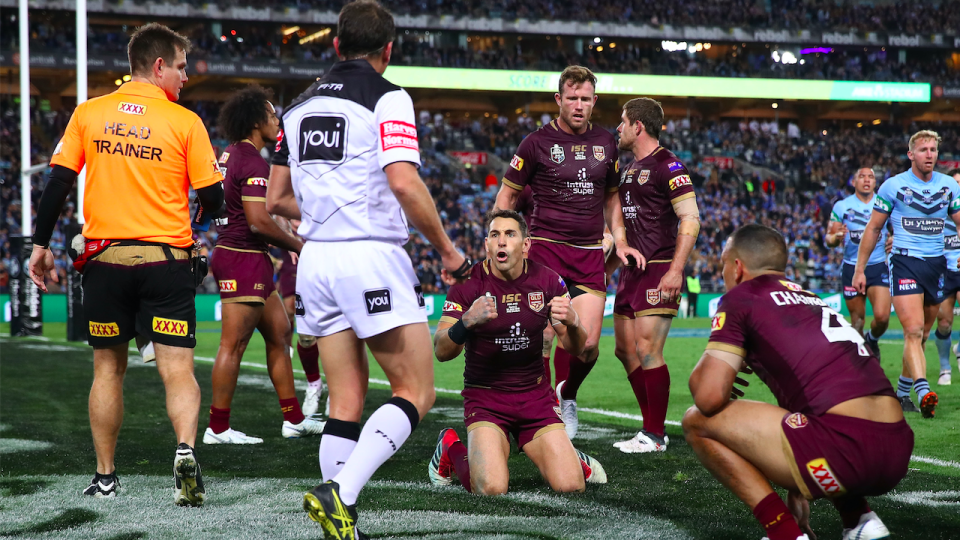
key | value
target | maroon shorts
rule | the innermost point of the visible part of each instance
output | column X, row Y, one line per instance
column 834, row 455
column 637, row 294
column 287, row 277
column 243, row 276
column 526, row 415
column 581, row 268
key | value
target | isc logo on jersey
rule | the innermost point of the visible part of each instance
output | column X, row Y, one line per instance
column 323, row 137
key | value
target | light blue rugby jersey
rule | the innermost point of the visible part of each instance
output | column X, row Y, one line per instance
column 855, row 214
column 951, row 245
column 918, row 210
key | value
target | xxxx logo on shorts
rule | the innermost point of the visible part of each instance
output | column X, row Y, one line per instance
column 228, row 285
column 169, row 326
column 653, row 297
column 132, row 108
column 535, row 299
column 98, row 329
column 821, row 472
column 797, row 421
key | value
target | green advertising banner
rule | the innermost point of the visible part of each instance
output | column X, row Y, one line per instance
column 660, row 85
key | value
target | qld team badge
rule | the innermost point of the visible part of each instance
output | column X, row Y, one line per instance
column 535, row 300
column 598, row 153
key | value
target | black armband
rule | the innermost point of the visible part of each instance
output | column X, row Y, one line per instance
column 458, row 333
column 212, row 199
column 54, row 195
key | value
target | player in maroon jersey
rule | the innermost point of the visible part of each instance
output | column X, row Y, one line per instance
column 661, row 220
column 307, row 348
column 498, row 316
column 244, row 271
column 837, row 431
column 572, row 169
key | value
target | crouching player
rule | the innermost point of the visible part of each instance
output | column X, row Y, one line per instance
column 838, row 431
column 499, row 315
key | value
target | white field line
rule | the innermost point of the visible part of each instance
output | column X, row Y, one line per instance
column 601, row 412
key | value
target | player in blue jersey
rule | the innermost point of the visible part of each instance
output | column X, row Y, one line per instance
column 951, row 286
column 918, row 202
column 847, row 221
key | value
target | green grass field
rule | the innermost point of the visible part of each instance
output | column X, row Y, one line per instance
column 46, row 459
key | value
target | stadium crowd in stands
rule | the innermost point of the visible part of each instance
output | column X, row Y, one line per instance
column 237, row 41
column 781, row 177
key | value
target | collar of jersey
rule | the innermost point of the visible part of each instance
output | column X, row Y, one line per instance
column 359, row 64
column 134, row 88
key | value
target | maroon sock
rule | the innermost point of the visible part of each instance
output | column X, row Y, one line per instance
column 458, row 456
column 219, row 419
column 310, row 360
column 658, row 396
column 290, row 408
column 779, row 523
column 639, row 385
column 561, row 364
column 546, row 369
column 851, row 508
column 578, row 373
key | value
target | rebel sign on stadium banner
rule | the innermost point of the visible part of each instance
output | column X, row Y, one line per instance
column 719, row 162
column 471, row 158
column 947, row 164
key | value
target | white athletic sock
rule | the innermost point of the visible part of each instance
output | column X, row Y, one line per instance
column 338, row 441
column 383, row 434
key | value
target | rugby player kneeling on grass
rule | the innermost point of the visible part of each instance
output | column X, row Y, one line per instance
column 838, row 431
column 499, row 315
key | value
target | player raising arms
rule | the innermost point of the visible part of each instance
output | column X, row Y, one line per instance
column 571, row 166
column 917, row 201
column 838, row 431
column 244, row 271
column 661, row 220
column 847, row 221
column 499, row 315
column 951, row 286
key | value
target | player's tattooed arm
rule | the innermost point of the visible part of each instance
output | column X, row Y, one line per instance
column 871, row 235
column 835, row 234
column 689, row 228
column 566, row 322
column 711, row 382
column 449, row 340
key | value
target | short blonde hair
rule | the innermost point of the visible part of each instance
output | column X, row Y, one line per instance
column 577, row 75
column 923, row 135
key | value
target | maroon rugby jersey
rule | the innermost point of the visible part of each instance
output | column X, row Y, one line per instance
column 244, row 179
column 648, row 189
column 808, row 354
column 505, row 353
column 569, row 176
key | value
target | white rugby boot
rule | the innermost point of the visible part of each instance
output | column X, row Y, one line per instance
column 568, row 413
column 230, row 436
column 311, row 401
column 869, row 528
column 643, row 442
column 593, row 472
column 310, row 426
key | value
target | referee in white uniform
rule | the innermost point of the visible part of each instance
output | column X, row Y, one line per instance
column 346, row 166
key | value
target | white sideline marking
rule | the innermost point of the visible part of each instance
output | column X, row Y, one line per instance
column 602, row 412
column 927, row 498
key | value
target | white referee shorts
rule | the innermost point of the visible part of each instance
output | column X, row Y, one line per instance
column 365, row 285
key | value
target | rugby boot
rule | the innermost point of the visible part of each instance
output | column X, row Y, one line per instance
column 873, row 345
column 642, row 443
column 568, row 413
column 928, row 405
column 907, row 404
column 310, row 426
column 103, row 486
column 188, row 490
column 593, row 472
column 147, row 353
column 440, row 468
column 324, row 506
column 230, row 436
column 869, row 528
column 944, row 379
column 311, row 401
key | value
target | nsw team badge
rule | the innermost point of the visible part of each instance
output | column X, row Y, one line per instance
column 535, row 300
column 556, row 154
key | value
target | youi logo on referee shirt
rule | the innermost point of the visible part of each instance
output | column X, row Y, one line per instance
column 323, row 137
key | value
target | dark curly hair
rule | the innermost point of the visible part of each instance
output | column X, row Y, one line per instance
column 243, row 112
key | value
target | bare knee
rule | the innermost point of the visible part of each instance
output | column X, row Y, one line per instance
column 488, row 487
column 692, row 423
column 568, row 485
column 913, row 333
column 306, row 341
